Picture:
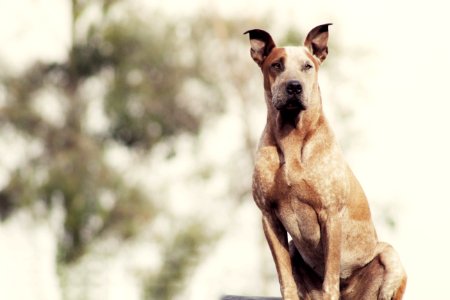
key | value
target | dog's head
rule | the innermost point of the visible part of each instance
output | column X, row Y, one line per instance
column 290, row 73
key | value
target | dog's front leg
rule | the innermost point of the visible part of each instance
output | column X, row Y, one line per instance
column 277, row 239
column 331, row 230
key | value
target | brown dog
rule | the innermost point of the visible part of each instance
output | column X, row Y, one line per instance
column 304, row 187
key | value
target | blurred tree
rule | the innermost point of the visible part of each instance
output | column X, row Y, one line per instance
column 144, row 71
column 182, row 253
column 142, row 104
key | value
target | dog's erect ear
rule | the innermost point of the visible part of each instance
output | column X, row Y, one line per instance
column 317, row 41
column 261, row 44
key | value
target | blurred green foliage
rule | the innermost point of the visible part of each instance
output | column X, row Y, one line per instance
column 144, row 70
column 143, row 78
column 182, row 253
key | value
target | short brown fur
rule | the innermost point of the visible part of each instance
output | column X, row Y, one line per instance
column 304, row 187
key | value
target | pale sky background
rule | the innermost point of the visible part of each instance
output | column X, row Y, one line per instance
column 404, row 152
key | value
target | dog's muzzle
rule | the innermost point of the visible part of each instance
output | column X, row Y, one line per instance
column 292, row 98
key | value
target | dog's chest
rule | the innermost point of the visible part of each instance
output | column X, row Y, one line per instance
column 296, row 192
column 316, row 181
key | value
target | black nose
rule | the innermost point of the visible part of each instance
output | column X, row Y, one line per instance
column 293, row 87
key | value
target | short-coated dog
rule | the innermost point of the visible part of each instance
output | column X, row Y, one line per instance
column 305, row 189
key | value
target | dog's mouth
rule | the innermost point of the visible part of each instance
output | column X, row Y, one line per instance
column 291, row 104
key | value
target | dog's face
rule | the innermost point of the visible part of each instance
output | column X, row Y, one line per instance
column 290, row 73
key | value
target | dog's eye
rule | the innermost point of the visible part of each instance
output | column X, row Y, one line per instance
column 277, row 66
column 307, row 66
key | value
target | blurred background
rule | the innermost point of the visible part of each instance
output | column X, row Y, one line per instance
column 128, row 130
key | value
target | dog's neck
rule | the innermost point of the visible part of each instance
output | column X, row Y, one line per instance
column 291, row 129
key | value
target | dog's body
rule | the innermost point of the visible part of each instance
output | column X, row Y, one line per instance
column 304, row 187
